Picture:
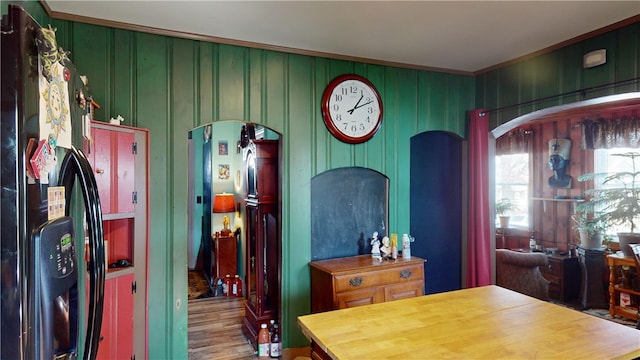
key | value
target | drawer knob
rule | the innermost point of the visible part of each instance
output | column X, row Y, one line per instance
column 405, row 274
column 355, row 282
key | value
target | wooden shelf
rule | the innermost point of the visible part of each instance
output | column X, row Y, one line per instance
column 626, row 312
column 625, row 290
column 118, row 216
column 567, row 200
column 113, row 273
column 558, row 200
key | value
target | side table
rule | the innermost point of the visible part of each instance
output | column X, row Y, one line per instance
column 615, row 308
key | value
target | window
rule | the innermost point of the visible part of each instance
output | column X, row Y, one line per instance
column 605, row 163
column 512, row 182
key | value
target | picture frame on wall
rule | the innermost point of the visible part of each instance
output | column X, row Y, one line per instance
column 223, row 172
column 223, row 147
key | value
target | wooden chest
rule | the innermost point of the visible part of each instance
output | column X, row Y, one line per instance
column 359, row 280
column 563, row 274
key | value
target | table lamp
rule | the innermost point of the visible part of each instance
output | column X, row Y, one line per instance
column 224, row 203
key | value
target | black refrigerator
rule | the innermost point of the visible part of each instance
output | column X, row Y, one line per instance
column 52, row 239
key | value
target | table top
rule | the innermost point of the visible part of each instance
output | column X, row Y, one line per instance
column 620, row 259
column 487, row 322
column 359, row 263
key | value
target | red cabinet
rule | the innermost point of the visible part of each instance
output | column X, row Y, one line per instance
column 112, row 154
column 225, row 256
column 118, row 155
column 116, row 337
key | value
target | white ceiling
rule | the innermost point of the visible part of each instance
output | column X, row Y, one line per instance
column 464, row 36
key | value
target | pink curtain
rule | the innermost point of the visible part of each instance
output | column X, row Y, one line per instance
column 479, row 238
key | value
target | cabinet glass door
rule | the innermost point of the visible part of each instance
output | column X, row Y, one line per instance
column 270, row 251
column 252, row 219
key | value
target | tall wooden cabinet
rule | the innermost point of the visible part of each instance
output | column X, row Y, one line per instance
column 262, row 226
column 119, row 158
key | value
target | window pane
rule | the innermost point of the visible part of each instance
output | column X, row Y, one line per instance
column 512, row 182
column 605, row 163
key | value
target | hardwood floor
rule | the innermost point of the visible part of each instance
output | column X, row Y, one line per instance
column 215, row 325
column 215, row 330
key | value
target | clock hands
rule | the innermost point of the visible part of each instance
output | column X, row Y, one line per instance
column 357, row 105
column 361, row 105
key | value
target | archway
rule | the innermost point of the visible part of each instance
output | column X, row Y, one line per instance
column 609, row 103
column 620, row 104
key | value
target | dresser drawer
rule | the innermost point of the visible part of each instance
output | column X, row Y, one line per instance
column 404, row 290
column 553, row 279
column 563, row 274
column 555, row 267
column 378, row 278
column 360, row 297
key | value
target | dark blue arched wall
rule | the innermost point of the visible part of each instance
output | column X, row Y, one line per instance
column 436, row 207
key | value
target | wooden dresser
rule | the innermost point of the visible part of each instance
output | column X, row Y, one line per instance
column 563, row 274
column 360, row 280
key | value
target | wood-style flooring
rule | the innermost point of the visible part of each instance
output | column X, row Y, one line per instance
column 215, row 325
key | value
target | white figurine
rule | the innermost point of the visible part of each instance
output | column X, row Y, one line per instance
column 385, row 249
column 117, row 120
column 375, row 246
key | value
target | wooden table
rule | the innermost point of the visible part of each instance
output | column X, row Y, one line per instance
column 482, row 323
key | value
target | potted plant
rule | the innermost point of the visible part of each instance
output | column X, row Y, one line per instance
column 590, row 230
column 618, row 203
column 503, row 207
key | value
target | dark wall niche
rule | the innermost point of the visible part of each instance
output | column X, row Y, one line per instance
column 347, row 205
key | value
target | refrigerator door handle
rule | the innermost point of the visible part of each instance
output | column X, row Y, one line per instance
column 75, row 164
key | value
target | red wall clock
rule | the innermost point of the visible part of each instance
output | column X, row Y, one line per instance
column 351, row 108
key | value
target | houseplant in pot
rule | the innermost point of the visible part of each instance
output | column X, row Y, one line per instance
column 591, row 232
column 617, row 202
column 503, row 208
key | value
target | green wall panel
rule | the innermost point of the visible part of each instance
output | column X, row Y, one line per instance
column 560, row 72
column 122, row 72
column 627, row 64
column 231, row 72
column 34, row 8
column 167, row 329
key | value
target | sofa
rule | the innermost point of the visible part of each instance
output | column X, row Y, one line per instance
column 520, row 271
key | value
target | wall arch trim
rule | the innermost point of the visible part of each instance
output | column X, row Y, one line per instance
column 606, row 102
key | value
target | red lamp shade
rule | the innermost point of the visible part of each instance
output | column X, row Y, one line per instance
column 224, row 203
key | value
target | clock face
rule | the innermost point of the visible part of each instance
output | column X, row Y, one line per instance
column 351, row 109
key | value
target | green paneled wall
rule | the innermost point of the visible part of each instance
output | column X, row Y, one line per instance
column 32, row 7
column 171, row 85
column 561, row 72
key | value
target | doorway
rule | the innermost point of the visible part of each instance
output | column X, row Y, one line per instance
column 219, row 204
